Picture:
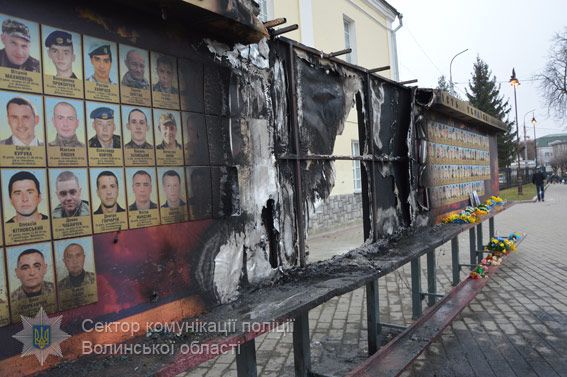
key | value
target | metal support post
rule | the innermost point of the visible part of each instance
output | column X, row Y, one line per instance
column 472, row 243
column 416, row 288
column 302, row 345
column 456, row 266
column 246, row 360
column 479, row 243
column 373, row 316
column 431, row 280
column 491, row 228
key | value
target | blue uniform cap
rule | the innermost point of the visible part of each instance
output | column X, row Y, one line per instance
column 100, row 50
column 102, row 113
column 59, row 38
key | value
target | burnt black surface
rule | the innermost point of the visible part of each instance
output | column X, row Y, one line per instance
column 216, row 84
column 279, row 300
column 195, row 139
column 200, row 189
column 322, row 108
column 191, row 81
column 218, row 136
column 226, row 193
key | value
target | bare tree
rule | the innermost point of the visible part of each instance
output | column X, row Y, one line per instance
column 553, row 79
column 559, row 163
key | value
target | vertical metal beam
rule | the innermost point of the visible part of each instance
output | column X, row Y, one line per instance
column 366, row 176
column 246, row 360
column 299, row 213
column 491, row 227
column 373, row 316
column 456, row 263
column 479, row 243
column 472, row 243
column 302, row 345
column 416, row 288
column 431, row 277
column 369, row 137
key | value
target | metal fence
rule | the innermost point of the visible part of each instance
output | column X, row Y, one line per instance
column 508, row 177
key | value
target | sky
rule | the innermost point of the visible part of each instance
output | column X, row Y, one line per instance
column 505, row 34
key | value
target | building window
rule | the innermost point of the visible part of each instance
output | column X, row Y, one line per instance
column 356, row 167
column 263, row 16
column 350, row 39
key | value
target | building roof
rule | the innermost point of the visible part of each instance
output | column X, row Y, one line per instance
column 544, row 141
column 385, row 8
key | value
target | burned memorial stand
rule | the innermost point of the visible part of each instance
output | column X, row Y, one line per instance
column 387, row 139
column 305, row 287
column 290, row 300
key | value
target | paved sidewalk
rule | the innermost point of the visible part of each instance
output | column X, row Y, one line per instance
column 517, row 326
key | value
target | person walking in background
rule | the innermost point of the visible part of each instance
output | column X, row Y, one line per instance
column 539, row 180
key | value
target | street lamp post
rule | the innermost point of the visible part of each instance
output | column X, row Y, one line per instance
column 515, row 82
column 525, row 141
column 535, row 140
column 451, row 70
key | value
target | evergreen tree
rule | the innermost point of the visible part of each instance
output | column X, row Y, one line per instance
column 443, row 85
column 484, row 94
column 446, row 86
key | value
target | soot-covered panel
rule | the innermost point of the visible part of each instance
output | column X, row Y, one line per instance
column 216, row 84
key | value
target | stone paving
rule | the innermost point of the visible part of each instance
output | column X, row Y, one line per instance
column 517, row 326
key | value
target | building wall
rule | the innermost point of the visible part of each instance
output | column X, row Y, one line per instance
column 324, row 20
column 338, row 209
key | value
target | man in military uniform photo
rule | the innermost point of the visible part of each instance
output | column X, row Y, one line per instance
column 107, row 191
column 25, row 196
column 172, row 188
column 103, row 123
column 165, row 71
column 74, row 259
column 136, row 65
column 60, row 50
column 142, row 188
column 16, row 52
column 31, row 269
column 101, row 60
column 22, row 119
column 66, row 122
column 138, row 126
column 168, row 129
column 68, row 192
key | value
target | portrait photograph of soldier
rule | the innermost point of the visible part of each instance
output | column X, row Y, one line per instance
column 135, row 86
column 20, row 67
column 65, row 129
column 4, row 309
column 62, row 62
column 22, row 134
column 70, row 208
column 199, row 192
column 195, row 143
column 165, row 91
column 31, row 280
column 142, row 190
column 169, row 150
column 172, row 195
column 76, row 274
column 104, row 133
column 138, row 136
column 24, row 202
column 109, row 200
column 101, row 69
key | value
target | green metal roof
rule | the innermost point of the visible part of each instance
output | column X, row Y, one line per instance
column 545, row 140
